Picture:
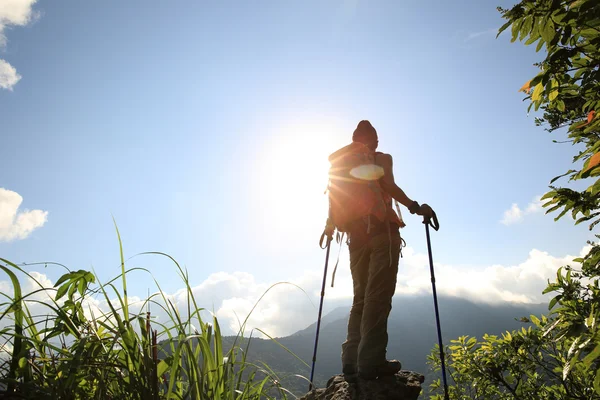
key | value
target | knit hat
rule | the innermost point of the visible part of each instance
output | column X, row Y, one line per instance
column 364, row 132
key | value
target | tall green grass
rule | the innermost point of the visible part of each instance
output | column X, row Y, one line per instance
column 72, row 350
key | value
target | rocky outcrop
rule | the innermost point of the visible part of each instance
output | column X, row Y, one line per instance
column 405, row 385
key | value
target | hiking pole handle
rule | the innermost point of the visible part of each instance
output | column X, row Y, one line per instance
column 433, row 221
column 327, row 233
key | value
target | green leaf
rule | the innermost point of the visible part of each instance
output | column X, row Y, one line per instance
column 61, row 291
column 578, row 73
column 553, row 90
column 568, row 366
column 63, row 278
column 562, row 213
column 81, row 286
column 591, row 319
column 537, row 92
column 597, row 382
column 587, row 360
column 537, row 79
column 556, row 207
column 595, row 188
column 553, row 302
column 548, row 31
column 515, row 29
column 90, row 278
column 573, row 348
column 503, row 28
column 163, row 366
column 72, row 290
column 526, row 28
column 553, row 192
column 551, row 288
column 554, row 180
column 539, row 46
column 532, row 39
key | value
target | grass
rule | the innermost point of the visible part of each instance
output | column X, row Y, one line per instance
column 74, row 350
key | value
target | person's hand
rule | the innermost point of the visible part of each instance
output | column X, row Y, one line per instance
column 426, row 211
column 429, row 217
column 329, row 228
column 327, row 234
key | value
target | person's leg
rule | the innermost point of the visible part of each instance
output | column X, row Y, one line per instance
column 359, row 266
column 378, row 301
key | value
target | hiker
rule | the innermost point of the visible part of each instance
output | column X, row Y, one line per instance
column 361, row 192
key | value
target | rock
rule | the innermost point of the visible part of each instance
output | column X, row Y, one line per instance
column 405, row 385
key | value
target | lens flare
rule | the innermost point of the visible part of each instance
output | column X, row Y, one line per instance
column 368, row 172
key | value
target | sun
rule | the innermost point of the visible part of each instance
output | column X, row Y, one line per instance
column 293, row 178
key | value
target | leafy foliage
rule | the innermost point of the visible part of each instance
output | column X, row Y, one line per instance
column 567, row 88
column 530, row 363
column 557, row 357
column 76, row 351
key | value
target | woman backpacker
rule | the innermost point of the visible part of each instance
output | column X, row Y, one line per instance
column 361, row 191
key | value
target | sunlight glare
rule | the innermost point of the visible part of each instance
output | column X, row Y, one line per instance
column 292, row 178
column 370, row 172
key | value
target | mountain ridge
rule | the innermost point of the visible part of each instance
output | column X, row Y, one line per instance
column 412, row 335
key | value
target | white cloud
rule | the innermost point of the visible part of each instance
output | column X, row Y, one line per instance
column 8, row 75
column 15, row 13
column 12, row 13
column 515, row 214
column 15, row 224
column 521, row 283
column 535, row 205
column 286, row 309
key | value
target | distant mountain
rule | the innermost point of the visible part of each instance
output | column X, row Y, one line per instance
column 412, row 335
column 332, row 316
column 412, row 330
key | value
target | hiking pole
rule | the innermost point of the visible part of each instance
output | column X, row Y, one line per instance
column 436, row 225
column 328, row 234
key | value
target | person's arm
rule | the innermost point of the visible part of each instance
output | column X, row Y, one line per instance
column 389, row 185
column 387, row 181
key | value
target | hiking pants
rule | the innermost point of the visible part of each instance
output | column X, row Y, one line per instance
column 374, row 265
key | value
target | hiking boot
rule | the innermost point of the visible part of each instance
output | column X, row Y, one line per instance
column 388, row 368
column 350, row 372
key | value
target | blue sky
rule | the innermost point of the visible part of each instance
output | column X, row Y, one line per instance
column 204, row 127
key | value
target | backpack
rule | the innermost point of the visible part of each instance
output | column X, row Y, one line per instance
column 354, row 190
